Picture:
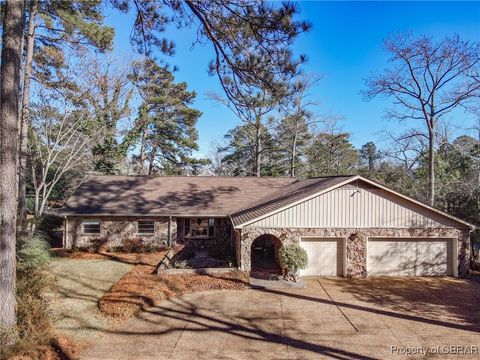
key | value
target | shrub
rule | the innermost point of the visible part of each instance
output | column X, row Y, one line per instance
column 32, row 253
column 33, row 318
column 292, row 259
column 133, row 245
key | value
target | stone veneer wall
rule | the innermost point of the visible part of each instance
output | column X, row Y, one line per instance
column 356, row 242
column 114, row 230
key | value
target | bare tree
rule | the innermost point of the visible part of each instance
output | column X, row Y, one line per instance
column 59, row 143
column 427, row 80
column 53, row 26
column 13, row 24
column 407, row 149
column 108, row 94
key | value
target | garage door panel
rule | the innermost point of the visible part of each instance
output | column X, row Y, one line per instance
column 409, row 257
column 325, row 256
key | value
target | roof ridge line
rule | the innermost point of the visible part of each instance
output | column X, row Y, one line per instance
column 199, row 176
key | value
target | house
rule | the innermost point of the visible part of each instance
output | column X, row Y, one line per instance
column 349, row 225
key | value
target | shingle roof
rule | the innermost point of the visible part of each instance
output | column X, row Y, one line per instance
column 208, row 196
column 286, row 195
column 242, row 198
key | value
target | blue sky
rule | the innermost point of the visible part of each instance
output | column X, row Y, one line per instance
column 344, row 45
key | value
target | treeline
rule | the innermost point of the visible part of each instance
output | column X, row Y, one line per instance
column 401, row 164
column 103, row 116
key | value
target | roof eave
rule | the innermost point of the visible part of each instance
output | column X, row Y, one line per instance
column 144, row 215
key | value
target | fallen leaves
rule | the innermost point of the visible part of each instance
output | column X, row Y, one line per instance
column 148, row 258
column 139, row 288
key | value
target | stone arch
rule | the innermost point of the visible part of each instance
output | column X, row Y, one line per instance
column 248, row 236
column 264, row 254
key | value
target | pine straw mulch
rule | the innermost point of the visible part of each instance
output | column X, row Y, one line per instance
column 61, row 348
column 140, row 288
column 147, row 258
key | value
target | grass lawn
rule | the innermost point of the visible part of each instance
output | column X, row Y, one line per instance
column 79, row 286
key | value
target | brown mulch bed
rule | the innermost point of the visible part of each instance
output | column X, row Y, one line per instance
column 148, row 258
column 139, row 288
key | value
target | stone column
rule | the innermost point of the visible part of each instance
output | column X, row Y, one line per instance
column 463, row 252
column 356, row 255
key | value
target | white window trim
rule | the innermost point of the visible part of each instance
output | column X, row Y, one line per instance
column 147, row 233
column 91, row 222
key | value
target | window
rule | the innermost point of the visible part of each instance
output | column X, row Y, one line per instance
column 91, row 227
column 211, row 229
column 199, row 227
column 146, row 227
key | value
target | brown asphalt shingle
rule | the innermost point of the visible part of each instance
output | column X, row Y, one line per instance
column 206, row 196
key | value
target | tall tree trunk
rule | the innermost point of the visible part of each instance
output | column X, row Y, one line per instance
column 478, row 161
column 13, row 24
column 142, row 150
column 258, row 146
column 25, row 120
column 151, row 160
column 431, row 165
column 294, row 152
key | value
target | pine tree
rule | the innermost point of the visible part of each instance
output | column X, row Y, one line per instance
column 331, row 154
column 13, row 24
column 240, row 152
column 369, row 155
column 251, row 39
column 166, row 123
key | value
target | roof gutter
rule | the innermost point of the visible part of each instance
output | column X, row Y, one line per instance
column 143, row 215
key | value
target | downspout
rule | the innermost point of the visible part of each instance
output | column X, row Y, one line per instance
column 65, row 231
column 169, row 236
column 470, row 248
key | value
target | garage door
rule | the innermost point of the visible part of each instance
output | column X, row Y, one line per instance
column 409, row 257
column 324, row 256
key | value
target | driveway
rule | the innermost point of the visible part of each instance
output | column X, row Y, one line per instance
column 332, row 318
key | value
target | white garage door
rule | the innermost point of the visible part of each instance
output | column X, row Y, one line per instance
column 409, row 257
column 324, row 256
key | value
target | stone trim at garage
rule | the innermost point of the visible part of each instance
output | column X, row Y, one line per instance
column 356, row 241
column 115, row 230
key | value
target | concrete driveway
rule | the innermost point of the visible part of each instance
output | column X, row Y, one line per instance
column 332, row 318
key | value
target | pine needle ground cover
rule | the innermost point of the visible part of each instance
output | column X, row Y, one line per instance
column 140, row 288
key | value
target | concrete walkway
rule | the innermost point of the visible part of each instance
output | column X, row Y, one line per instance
column 331, row 318
column 276, row 284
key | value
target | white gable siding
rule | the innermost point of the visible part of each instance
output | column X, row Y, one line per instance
column 355, row 207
